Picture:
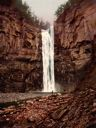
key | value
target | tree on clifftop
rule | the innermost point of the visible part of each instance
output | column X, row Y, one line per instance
column 65, row 6
column 25, row 12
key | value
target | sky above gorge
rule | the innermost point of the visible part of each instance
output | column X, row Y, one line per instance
column 44, row 9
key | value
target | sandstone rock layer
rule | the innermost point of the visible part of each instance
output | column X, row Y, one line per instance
column 75, row 42
column 20, row 53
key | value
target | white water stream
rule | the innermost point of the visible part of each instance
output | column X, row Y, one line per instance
column 48, row 60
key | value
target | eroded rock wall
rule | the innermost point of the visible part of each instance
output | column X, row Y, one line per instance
column 75, row 42
column 20, row 53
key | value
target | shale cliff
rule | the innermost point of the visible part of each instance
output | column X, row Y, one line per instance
column 20, row 53
column 75, row 43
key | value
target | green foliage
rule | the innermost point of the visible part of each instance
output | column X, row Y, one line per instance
column 30, row 16
column 60, row 10
column 22, row 7
column 25, row 12
column 65, row 6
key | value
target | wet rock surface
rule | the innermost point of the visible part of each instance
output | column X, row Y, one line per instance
column 20, row 53
column 76, row 110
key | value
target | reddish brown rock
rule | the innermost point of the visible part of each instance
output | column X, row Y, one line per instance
column 75, row 42
column 20, row 53
column 75, row 110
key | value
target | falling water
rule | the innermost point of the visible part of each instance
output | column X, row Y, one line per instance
column 48, row 60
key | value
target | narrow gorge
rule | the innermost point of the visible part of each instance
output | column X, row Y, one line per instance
column 48, row 76
column 21, row 68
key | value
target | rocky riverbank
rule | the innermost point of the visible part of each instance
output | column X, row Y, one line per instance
column 77, row 110
column 11, row 97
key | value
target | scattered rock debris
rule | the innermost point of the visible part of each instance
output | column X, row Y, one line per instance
column 76, row 110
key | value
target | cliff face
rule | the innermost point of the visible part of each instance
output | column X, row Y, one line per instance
column 20, row 53
column 75, row 42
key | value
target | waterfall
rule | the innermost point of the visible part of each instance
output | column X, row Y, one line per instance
column 48, row 60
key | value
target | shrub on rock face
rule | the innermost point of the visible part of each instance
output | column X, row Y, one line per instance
column 25, row 12
column 65, row 6
column 30, row 16
column 23, row 9
column 18, row 4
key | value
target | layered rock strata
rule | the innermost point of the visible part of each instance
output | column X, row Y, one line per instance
column 75, row 42
column 20, row 53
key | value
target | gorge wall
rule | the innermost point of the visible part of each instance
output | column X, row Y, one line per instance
column 21, row 48
column 20, row 53
column 75, row 43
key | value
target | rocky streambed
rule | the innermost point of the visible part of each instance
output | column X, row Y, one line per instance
column 76, row 110
column 14, row 97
